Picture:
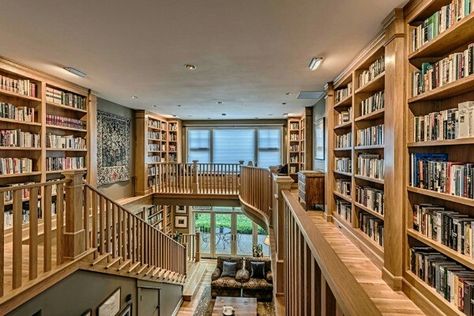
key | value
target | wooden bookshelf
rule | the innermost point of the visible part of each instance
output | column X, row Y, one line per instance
column 158, row 140
column 454, row 39
column 295, row 143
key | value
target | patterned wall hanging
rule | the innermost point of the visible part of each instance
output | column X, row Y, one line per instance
column 113, row 148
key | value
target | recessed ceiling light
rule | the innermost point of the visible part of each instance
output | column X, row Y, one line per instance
column 76, row 72
column 284, row 103
column 179, row 105
column 134, row 97
column 190, row 67
column 270, row 114
column 223, row 114
column 174, row 115
column 219, row 102
column 288, row 93
column 155, row 106
column 315, row 63
column 285, row 114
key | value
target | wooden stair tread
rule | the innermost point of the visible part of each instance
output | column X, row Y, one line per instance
column 124, row 264
column 99, row 259
column 192, row 280
column 112, row 263
column 133, row 267
column 142, row 269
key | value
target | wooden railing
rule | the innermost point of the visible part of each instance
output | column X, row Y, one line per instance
column 196, row 178
column 256, row 189
column 121, row 234
column 66, row 220
column 192, row 242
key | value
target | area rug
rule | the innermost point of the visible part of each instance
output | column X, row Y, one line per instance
column 206, row 304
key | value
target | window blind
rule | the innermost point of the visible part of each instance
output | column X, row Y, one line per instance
column 199, row 145
column 269, row 147
column 232, row 145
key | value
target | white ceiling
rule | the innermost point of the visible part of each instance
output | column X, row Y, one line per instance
column 248, row 53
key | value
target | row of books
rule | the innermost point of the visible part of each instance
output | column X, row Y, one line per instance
column 439, row 22
column 156, row 124
column 373, row 103
column 20, row 86
column 294, row 158
column 15, row 165
column 294, row 147
column 65, row 142
column 294, row 136
column 172, row 147
column 370, row 165
column 8, row 195
column 17, row 113
column 344, row 210
column 375, row 69
column 57, row 120
column 172, row 157
column 370, row 197
column 344, row 140
column 372, row 226
column 294, row 126
column 447, row 124
column 344, row 116
column 173, row 137
column 154, row 135
column 25, row 213
column 446, row 227
column 159, row 158
column 19, row 138
column 172, row 127
column 447, row 70
column 343, row 186
column 73, row 100
column 433, row 171
column 343, row 164
column 156, row 147
column 371, row 136
column 452, row 281
column 65, row 163
column 343, row 93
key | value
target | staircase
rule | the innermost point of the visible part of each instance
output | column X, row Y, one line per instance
column 73, row 226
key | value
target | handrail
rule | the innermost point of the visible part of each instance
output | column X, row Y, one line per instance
column 256, row 189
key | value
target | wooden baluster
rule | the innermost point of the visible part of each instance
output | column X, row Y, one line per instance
column 94, row 218
column 120, row 227
column 2, row 242
column 114, row 231
column 130, row 237
column 17, row 236
column 59, row 222
column 47, row 228
column 33, row 240
column 87, row 210
column 108, row 234
column 101, row 226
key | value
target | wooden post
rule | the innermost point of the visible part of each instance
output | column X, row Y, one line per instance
column 198, row 247
column 280, row 183
column 330, row 203
column 194, row 187
column 74, row 233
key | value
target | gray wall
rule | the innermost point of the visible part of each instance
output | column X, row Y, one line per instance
column 319, row 111
column 120, row 189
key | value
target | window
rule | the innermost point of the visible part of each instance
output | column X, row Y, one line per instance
column 231, row 145
column 199, row 144
column 269, row 141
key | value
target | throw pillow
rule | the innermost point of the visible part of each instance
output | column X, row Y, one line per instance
column 257, row 270
column 228, row 269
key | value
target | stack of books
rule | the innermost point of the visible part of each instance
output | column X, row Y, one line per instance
column 343, row 186
column 343, row 93
column 372, row 198
column 344, row 209
column 371, row 136
column 375, row 69
column 65, row 98
column 344, row 140
column 370, row 165
column 18, row 138
column 20, row 86
column 373, row 103
column 57, row 120
column 65, row 142
column 372, row 227
column 64, row 163
column 15, row 166
column 343, row 164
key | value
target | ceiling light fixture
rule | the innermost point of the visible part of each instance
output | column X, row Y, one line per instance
column 190, row 67
column 174, row 115
column 219, row 102
column 155, row 106
column 284, row 103
column 134, row 97
column 76, row 72
column 223, row 114
column 179, row 105
column 285, row 114
column 315, row 63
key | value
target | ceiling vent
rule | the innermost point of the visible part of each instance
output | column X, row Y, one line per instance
column 310, row 95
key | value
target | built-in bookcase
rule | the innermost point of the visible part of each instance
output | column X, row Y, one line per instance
column 356, row 151
column 296, row 145
column 440, row 139
column 158, row 141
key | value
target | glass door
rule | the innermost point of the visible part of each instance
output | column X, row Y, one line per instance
column 202, row 223
column 223, row 233
column 244, row 238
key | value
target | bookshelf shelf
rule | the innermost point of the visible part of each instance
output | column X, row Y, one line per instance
column 17, row 95
column 17, row 175
column 342, row 196
column 21, row 148
column 347, row 174
column 343, row 149
column 66, row 149
column 343, row 126
column 442, row 196
column 369, row 179
column 368, row 210
column 450, row 142
column 66, row 128
column 371, row 116
column 347, row 101
column 59, row 171
column 458, row 34
column 374, row 85
column 448, row 90
column 462, row 259
column 66, row 107
column 347, row 225
column 5, row 120
column 369, row 147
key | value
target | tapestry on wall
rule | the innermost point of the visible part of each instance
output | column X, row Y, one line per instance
column 113, row 148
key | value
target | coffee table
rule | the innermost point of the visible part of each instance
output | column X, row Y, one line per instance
column 245, row 306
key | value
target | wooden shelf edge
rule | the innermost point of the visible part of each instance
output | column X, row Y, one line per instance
column 347, row 101
column 442, row 196
column 448, row 142
column 19, row 122
column 14, row 94
column 17, row 175
column 369, row 147
column 344, row 125
column 368, row 210
column 66, row 128
column 21, row 148
column 374, row 180
column 348, row 174
column 342, row 196
column 371, row 84
column 66, row 107
column 372, row 115
column 59, row 171
column 459, row 86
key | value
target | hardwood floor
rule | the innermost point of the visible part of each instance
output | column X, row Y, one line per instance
column 188, row 308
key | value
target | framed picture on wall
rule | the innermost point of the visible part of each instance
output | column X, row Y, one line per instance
column 181, row 209
column 111, row 306
column 127, row 311
column 181, row 221
column 319, row 137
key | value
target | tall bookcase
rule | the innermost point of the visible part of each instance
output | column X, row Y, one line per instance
column 158, row 140
column 441, row 97
column 50, row 120
column 295, row 146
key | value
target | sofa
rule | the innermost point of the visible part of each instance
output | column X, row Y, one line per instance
column 242, row 284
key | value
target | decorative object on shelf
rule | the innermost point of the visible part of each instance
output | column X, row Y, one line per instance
column 181, row 221
column 319, row 143
column 257, row 250
column 113, row 148
column 111, row 306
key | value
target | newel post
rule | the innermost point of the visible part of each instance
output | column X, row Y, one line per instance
column 74, row 233
column 198, row 247
column 195, row 177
